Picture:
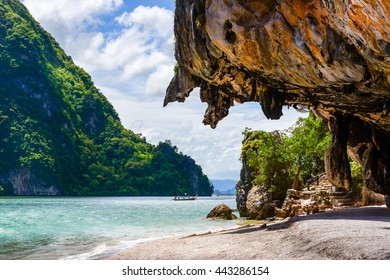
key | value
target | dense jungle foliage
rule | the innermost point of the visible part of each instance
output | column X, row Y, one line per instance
column 276, row 159
column 58, row 126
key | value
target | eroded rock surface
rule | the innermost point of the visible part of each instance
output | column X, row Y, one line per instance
column 330, row 55
column 259, row 203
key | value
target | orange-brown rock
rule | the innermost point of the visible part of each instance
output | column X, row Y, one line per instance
column 330, row 55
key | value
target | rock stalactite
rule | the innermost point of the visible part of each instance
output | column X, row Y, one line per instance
column 332, row 56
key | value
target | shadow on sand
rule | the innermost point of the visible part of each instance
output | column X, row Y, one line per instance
column 374, row 213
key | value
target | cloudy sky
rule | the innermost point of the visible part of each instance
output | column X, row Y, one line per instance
column 127, row 48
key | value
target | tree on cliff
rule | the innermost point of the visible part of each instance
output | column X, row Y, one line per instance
column 308, row 141
column 268, row 159
column 274, row 158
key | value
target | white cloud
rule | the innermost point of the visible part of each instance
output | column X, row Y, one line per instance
column 145, row 64
column 71, row 13
column 141, row 43
column 157, row 81
column 135, row 50
column 153, row 20
column 140, row 52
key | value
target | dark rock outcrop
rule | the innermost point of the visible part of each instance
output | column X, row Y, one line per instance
column 24, row 182
column 333, row 56
column 221, row 211
column 259, row 203
column 243, row 187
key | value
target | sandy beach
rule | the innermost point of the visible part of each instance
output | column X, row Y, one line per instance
column 348, row 234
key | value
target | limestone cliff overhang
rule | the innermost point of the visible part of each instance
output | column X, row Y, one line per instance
column 332, row 56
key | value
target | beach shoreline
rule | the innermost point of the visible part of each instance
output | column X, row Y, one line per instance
column 348, row 234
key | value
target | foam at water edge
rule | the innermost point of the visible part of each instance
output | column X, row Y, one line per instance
column 114, row 247
column 109, row 248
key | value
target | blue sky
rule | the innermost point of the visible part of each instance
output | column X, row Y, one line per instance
column 127, row 48
column 130, row 5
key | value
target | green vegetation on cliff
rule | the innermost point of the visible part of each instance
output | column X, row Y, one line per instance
column 274, row 158
column 60, row 135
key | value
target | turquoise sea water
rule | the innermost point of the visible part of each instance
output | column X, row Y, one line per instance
column 96, row 227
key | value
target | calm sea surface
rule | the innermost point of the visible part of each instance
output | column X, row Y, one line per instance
column 97, row 227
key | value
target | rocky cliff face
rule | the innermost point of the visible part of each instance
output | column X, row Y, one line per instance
column 24, row 182
column 330, row 55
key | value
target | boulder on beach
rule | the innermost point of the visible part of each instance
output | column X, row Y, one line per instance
column 222, row 211
column 259, row 203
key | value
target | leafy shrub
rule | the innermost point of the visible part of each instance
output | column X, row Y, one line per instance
column 274, row 158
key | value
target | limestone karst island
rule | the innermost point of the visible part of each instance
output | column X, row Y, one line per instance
column 319, row 189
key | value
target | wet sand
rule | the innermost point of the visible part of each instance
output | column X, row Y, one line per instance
column 348, row 234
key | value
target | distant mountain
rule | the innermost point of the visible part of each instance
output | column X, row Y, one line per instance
column 60, row 136
column 224, row 186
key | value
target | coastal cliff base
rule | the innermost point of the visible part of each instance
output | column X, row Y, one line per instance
column 349, row 234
